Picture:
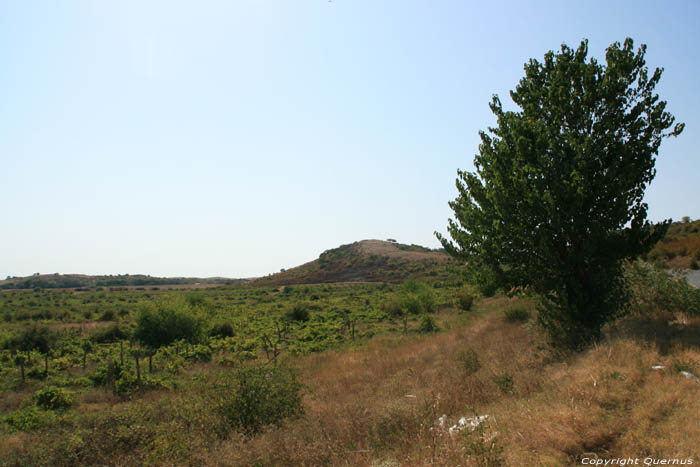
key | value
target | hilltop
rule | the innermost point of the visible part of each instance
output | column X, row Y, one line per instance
column 364, row 261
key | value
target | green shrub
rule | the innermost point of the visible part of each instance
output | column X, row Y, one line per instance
column 221, row 330
column 465, row 300
column 482, row 447
column 53, row 398
column 297, row 313
column 29, row 418
column 259, row 396
column 36, row 372
column 106, row 372
column 516, row 315
column 37, row 338
column 166, row 323
column 198, row 353
column 653, row 290
column 427, row 325
column 694, row 264
column 196, row 300
column 504, row 382
column 469, row 361
column 111, row 333
column 108, row 315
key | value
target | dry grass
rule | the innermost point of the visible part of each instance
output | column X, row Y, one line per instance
column 379, row 404
column 376, row 405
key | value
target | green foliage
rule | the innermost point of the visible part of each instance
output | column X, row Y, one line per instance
column 36, row 373
column 417, row 297
column 108, row 371
column 53, row 398
column 516, row 315
column 111, row 333
column 258, row 396
column 654, row 289
column 468, row 361
column 427, row 325
column 483, row 448
column 222, row 330
column 198, row 353
column 29, row 418
column 108, row 315
column 167, row 322
column 465, row 299
column 504, row 382
column 556, row 202
column 694, row 264
column 298, row 312
column 37, row 338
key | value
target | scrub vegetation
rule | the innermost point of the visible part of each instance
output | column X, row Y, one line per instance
column 340, row 374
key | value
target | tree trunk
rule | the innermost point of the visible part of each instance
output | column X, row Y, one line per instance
column 121, row 352
column 138, row 370
column 21, row 366
column 150, row 363
column 46, row 366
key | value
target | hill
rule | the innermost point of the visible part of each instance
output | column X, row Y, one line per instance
column 364, row 261
column 680, row 248
column 64, row 281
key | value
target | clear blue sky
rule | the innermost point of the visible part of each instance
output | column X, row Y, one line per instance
column 236, row 138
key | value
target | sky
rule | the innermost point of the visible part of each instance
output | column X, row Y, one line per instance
column 236, row 138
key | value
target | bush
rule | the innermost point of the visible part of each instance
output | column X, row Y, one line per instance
column 297, row 313
column 53, row 398
column 465, row 300
column 504, row 382
column 37, row 338
column 108, row 315
column 653, row 290
column 469, row 361
column 694, row 264
column 427, row 325
column 221, row 330
column 257, row 397
column 112, row 333
column 36, row 372
column 516, row 315
column 166, row 323
column 198, row 353
column 29, row 418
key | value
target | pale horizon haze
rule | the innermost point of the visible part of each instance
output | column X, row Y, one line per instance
column 236, row 138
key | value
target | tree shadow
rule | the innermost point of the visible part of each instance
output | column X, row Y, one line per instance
column 664, row 331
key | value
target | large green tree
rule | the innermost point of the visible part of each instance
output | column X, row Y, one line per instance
column 556, row 201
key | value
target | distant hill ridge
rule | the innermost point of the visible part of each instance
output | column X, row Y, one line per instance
column 59, row 281
column 362, row 261
column 366, row 260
